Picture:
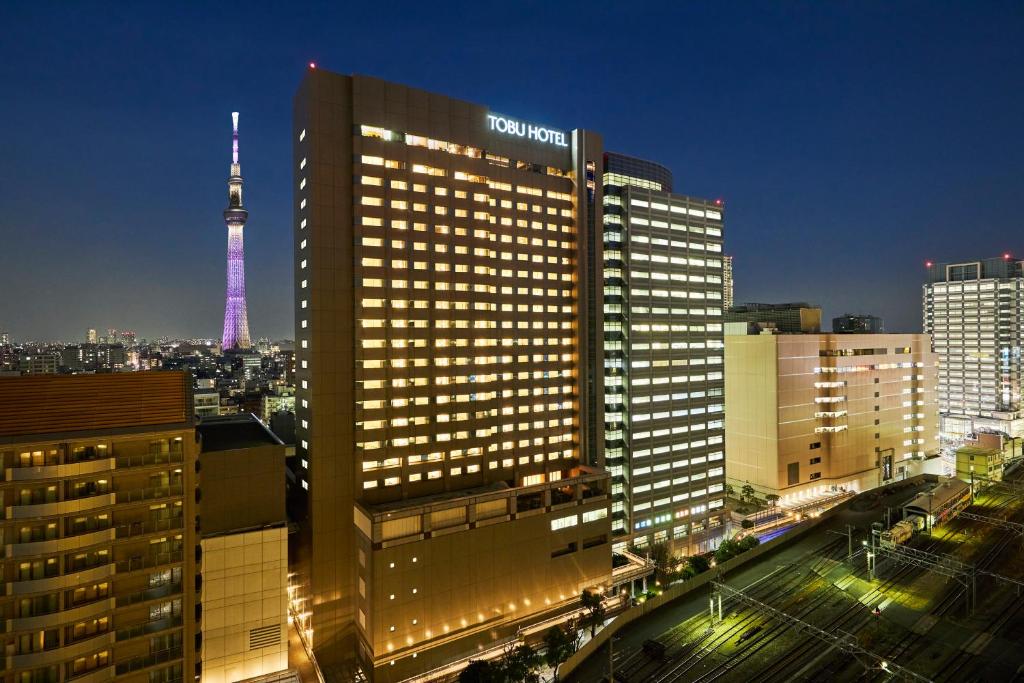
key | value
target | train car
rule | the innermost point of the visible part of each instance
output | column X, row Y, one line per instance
column 900, row 533
column 941, row 504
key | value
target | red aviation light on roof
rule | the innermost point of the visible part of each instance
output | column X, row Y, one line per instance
column 928, row 264
column 718, row 202
column 312, row 65
column 1006, row 256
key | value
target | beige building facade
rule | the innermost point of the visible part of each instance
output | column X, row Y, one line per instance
column 809, row 414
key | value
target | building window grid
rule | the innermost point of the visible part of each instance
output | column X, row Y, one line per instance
column 500, row 226
column 678, row 486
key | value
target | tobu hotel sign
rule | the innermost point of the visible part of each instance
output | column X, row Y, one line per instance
column 529, row 131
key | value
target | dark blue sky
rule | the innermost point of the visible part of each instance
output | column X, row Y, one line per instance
column 851, row 141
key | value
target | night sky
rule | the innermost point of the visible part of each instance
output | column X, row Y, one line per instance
column 850, row 141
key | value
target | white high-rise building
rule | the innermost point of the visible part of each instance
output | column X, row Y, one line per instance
column 663, row 351
column 974, row 311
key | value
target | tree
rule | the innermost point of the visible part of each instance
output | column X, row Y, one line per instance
column 772, row 499
column 594, row 605
column 748, row 542
column 519, row 664
column 729, row 490
column 747, row 492
column 664, row 562
column 480, row 671
column 697, row 564
column 727, row 550
column 559, row 645
column 747, row 524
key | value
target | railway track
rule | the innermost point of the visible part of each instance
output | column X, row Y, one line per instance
column 694, row 648
column 695, row 638
column 794, row 662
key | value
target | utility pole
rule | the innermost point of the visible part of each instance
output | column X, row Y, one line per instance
column 611, row 659
column 849, row 543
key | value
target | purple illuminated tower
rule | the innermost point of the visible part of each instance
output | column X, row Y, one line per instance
column 236, row 320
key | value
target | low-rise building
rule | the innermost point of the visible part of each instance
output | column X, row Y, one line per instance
column 979, row 462
column 808, row 414
column 791, row 318
column 244, row 548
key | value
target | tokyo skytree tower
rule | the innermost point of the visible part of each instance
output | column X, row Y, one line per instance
column 236, row 320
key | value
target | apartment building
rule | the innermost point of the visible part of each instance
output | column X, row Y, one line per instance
column 99, row 515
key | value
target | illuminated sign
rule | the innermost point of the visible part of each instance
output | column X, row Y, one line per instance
column 529, row 131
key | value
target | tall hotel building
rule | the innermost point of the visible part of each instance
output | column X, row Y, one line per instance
column 974, row 311
column 663, row 348
column 448, row 301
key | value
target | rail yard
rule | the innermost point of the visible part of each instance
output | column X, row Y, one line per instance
column 928, row 586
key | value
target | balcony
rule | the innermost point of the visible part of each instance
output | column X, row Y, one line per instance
column 56, row 545
column 149, row 594
column 149, row 527
column 145, row 459
column 149, row 493
column 147, row 628
column 60, row 582
column 74, row 469
column 146, row 661
column 148, row 562
column 61, row 507
column 81, row 647
column 68, row 616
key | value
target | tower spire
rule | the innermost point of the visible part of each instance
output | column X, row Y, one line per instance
column 234, row 137
column 236, row 319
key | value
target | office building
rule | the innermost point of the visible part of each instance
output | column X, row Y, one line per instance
column 206, row 403
column 90, row 336
column 791, row 318
column 449, row 375
column 99, row 528
column 663, row 349
column 809, row 414
column 5, row 339
column 281, row 397
column 38, row 362
column 857, row 323
column 727, row 293
column 236, row 316
column 93, row 357
column 974, row 311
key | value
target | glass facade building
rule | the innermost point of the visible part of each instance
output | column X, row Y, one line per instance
column 663, row 352
column 974, row 312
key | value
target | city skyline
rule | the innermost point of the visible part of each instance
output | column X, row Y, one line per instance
column 586, row 343
column 799, row 122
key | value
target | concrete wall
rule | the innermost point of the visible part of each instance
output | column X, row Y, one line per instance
column 245, row 605
column 751, row 413
column 242, row 488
